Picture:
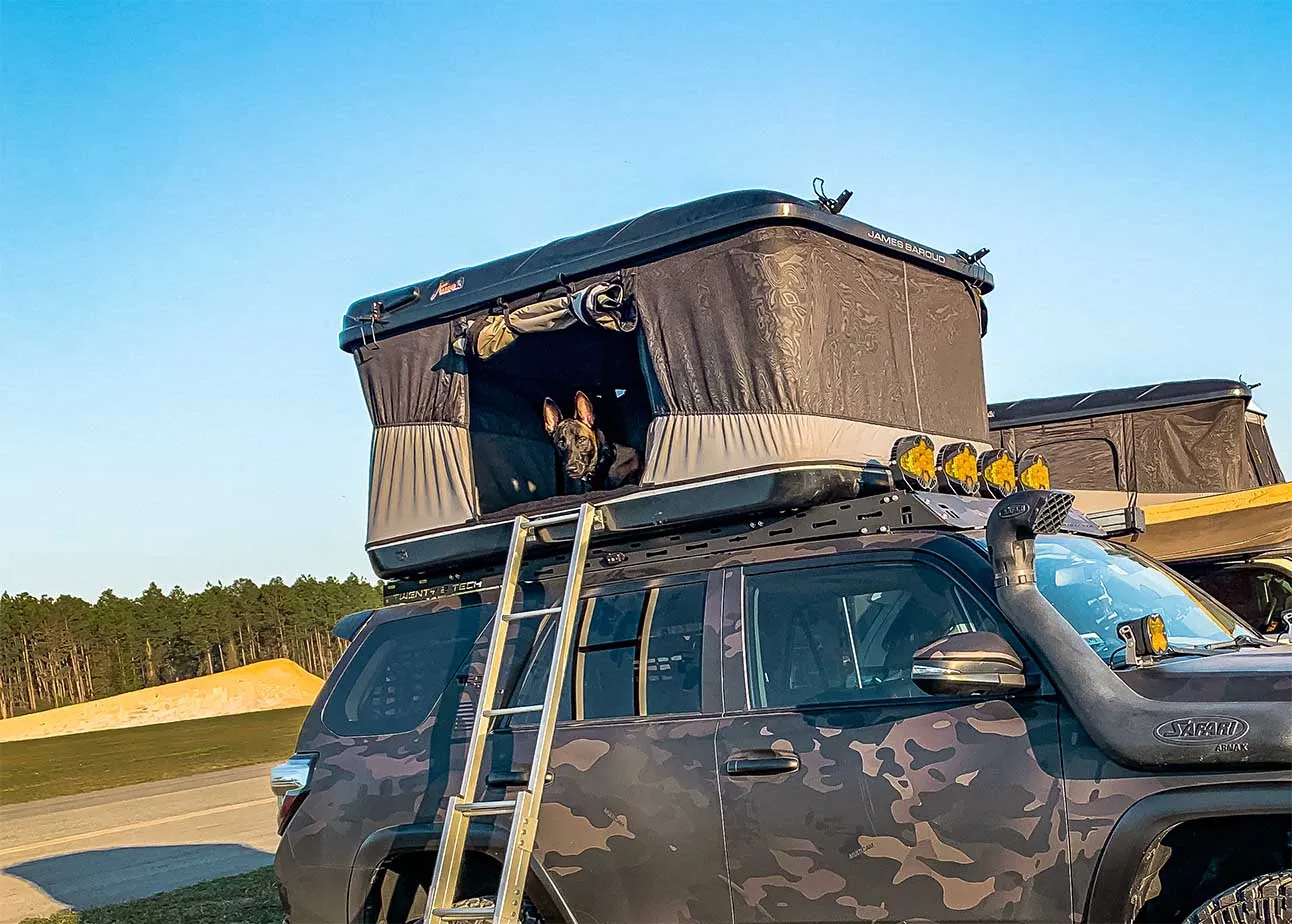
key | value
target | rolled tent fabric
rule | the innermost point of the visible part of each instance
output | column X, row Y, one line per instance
column 421, row 471
column 783, row 322
column 601, row 304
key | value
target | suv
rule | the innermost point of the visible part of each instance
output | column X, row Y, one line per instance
column 861, row 710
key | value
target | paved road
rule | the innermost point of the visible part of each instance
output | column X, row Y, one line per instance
column 111, row 846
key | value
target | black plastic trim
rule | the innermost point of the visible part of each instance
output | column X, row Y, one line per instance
column 463, row 290
column 1119, row 865
column 347, row 627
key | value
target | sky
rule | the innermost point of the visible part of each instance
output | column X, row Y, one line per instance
column 192, row 193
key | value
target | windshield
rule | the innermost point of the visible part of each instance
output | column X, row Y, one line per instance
column 1096, row 584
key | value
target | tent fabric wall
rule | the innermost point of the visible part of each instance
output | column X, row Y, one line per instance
column 1193, row 448
column 1260, row 452
column 784, row 320
column 421, row 463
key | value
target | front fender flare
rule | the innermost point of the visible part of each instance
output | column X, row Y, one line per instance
column 1124, row 857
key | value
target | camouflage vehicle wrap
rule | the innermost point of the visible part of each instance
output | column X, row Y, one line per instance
column 997, row 807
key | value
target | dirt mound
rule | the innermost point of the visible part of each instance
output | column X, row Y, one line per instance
column 275, row 684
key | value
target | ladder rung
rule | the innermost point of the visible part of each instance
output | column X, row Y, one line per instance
column 464, row 914
column 533, row 614
column 501, row 807
column 551, row 519
column 513, row 710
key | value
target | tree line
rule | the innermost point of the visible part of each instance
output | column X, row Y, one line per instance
column 55, row 651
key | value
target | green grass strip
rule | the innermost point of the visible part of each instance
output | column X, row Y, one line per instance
column 247, row 899
column 45, row 767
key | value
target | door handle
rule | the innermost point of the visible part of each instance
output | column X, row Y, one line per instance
column 760, row 763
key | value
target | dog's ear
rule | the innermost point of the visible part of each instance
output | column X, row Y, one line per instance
column 551, row 415
column 583, row 409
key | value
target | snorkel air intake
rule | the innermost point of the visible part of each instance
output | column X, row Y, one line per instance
column 1129, row 728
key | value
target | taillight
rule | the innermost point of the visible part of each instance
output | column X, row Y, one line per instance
column 290, row 782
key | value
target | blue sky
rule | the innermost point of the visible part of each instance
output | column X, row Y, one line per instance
column 192, row 193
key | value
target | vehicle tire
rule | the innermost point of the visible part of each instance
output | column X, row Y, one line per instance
column 1264, row 900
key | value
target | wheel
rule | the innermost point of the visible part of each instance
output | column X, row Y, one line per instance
column 1264, row 900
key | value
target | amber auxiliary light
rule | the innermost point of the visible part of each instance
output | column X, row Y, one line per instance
column 997, row 473
column 958, row 469
column 1145, row 638
column 914, row 463
column 1033, row 472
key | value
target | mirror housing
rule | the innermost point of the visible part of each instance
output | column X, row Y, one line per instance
column 968, row 664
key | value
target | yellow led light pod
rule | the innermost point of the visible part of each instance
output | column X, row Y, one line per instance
column 914, row 463
column 996, row 472
column 1033, row 472
column 1155, row 629
column 958, row 469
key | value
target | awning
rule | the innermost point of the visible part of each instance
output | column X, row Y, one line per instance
column 1215, row 525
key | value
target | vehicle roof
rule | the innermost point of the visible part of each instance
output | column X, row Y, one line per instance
column 1113, row 401
column 678, row 227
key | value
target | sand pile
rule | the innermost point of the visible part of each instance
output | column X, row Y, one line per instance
column 275, row 684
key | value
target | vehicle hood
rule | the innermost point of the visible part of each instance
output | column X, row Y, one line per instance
column 1244, row 675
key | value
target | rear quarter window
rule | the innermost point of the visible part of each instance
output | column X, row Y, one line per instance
column 400, row 670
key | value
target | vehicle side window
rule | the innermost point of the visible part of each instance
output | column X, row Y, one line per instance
column 635, row 653
column 846, row 633
column 400, row 670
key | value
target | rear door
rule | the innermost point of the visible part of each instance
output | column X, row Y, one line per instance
column 630, row 827
column 849, row 794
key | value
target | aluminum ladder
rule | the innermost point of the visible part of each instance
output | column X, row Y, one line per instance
column 523, row 808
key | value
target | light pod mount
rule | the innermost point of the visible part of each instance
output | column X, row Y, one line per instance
column 997, row 473
column 958, row 469
column 1033, row 472
column 915, row 463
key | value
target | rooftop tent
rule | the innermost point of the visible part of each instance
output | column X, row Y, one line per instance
column 1172, row 440
column 733, row 333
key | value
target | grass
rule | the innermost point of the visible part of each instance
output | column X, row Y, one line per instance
column 247, row 899
column 68, row 764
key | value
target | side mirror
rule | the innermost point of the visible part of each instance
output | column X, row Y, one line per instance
column 968, row 664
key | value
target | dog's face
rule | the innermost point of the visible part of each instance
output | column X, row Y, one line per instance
column 575, row 438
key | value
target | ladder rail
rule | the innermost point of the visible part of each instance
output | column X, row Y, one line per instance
column 461, row 807
column 570, row 601
column 448, row 859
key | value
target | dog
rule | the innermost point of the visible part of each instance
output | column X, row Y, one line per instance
column 584, row 453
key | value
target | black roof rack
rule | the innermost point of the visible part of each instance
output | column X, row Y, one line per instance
column 884, row 511
column 461, row 291
column 755, row 496
column 1112, row 401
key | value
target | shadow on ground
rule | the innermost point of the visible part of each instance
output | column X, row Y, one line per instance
column 106, row 877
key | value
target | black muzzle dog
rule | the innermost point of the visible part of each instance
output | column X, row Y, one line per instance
column 586, row 456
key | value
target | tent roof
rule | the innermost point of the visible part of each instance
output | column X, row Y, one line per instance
column 459, row 292
column 1112, row 401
